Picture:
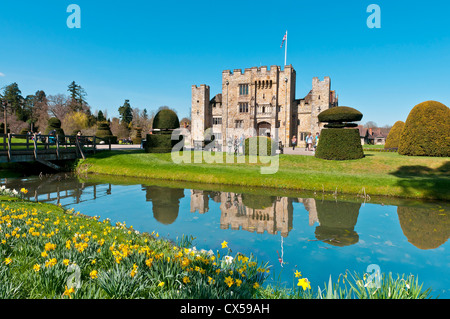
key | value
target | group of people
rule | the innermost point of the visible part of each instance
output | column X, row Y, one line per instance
column 311, row 142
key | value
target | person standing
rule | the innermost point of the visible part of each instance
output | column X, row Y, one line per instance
column 294, row 142
column 316, row 140
column 309, row 141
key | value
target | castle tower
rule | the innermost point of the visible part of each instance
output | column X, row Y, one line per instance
column 200, row 119
column 321, row 100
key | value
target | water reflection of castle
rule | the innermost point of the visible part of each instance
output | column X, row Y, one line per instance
column 271, row 214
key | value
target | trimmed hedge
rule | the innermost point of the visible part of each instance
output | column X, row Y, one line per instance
column 393, row 137
column 426, row 131
column 160, row 143
column 55, row 124
column 340, row 114
column 166, row 119
column 252, row 146
column 339, row 144
column 104, row 132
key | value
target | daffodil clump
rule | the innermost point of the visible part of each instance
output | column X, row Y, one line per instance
column 50, row 252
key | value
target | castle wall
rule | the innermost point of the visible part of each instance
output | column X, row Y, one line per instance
column 260, row 99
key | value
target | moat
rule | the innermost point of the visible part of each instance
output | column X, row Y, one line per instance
column 318, row 236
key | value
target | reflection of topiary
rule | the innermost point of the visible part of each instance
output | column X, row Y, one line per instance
column 393, row 137
column 258, row 201
column 337, row 222
column 259, row 145
column 425, row 228
column 165, row 202
column 336, row 141
column 104, row 132
column 426, row 131
column 166, row 119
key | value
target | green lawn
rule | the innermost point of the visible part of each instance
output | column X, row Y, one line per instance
column 378, row 173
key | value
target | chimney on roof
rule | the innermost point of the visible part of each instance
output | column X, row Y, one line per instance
column 370, row 131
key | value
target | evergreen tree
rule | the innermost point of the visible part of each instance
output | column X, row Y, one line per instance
column 100, row 116
column 77, row 97
column 15, row 100
column 126, row 113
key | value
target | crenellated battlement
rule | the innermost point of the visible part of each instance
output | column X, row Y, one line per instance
column 261, row 70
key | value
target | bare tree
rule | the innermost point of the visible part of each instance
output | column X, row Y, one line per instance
column 58, row 106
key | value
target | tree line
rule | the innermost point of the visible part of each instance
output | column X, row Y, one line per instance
column 32, row 112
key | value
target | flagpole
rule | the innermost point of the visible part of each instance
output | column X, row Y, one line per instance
column 285, row 50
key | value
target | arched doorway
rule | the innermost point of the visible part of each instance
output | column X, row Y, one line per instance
column 263, row 129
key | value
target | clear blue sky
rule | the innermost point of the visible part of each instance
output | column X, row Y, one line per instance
column 151, row 52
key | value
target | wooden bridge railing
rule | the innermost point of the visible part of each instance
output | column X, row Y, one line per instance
column 41, row 145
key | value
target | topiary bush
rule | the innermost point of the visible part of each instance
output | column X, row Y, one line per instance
column 426, row 131
column 255, row 146
column 339, row 144
column 339, row 116
column 393, row 137
column 55, row 124
column 161, row 141
column 336, row 141
column 137, row 138
column 104, row 132
column 166, row 119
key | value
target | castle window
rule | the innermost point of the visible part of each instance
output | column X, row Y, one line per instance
column 217, row 120
column 243, row 89
column 243, row 107
column 239, row 124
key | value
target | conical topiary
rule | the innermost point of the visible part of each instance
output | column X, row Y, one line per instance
column 104, row 132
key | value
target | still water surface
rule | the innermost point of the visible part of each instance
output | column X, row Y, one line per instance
column 317, row 236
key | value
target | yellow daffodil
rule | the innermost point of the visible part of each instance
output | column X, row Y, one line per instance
column 8, row 261
column 256, row 285
column 297, row 274
column 224, row 244
column 69, row 291
column 304, row 283
column 93, row 274
column 161, row 284
column 229, row 281
column 36, row 267
column 186, row 279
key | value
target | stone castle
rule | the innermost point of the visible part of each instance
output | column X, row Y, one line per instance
column 259, row 101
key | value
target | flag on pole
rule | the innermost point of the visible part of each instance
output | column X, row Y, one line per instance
column 284, row 39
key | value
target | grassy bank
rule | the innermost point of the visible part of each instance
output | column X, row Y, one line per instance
column 50, row 252
column 384, row 174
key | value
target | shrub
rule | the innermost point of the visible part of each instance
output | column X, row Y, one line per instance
column 393, row 137
column 340, row 114
column 159, row 143
column 55, row 124
column 255, row 146
column 137, row 139
column 104, row 132
column 426, row 131
column 166, row 119
column 339, row 144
